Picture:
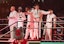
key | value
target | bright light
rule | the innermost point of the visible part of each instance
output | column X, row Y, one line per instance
column 39, row 0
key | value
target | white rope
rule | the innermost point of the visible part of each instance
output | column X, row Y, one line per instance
column 25, row 27
column 7, row 26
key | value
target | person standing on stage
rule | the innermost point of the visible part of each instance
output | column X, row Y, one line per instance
column 12, row 20
column 50, row 17
column 38, row 14
column 30, row 24
column 21, row 17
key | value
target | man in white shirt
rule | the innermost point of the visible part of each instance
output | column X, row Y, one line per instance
column 30, row 24
column 50, row 17
column 21, row 17
column 12, row 19
column 38, row 14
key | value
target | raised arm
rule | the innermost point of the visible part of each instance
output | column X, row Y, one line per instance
column 45, row 12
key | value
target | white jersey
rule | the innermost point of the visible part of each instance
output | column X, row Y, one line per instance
column 36, row 13
column 21, row 17
column 12, row 14
column 49, row 19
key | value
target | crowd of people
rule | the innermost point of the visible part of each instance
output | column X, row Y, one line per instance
column 34, row 19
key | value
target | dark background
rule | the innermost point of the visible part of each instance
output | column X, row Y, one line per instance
column 56, row 5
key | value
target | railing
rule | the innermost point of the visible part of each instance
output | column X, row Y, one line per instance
column 58, row 20
column 5, row 28
column 61, row 35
